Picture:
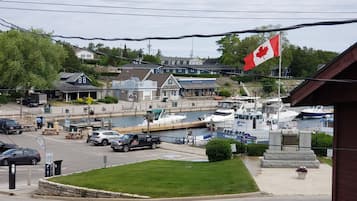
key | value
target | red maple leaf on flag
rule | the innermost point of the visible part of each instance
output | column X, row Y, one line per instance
column 262, row 51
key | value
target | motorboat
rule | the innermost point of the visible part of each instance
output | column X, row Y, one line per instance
column 160, row 116
column 252, row 127
column 240, row 136
column 220, row 118
column 315, row 112
column 276, row 111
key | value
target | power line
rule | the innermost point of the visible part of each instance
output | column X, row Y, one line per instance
column 329, row 23
column 180, row 10
column 171, row 16
column 297, row 26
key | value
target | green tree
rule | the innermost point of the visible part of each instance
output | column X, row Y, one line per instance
column 234, row 50
column 151, row 59
column 71, row 63
column 28, row 59
column 306, row 61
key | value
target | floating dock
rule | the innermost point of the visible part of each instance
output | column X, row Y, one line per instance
column 160, row 127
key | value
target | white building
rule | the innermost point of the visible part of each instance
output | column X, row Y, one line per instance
column 84, row 54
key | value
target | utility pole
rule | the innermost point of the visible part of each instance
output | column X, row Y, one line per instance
column 149, row 48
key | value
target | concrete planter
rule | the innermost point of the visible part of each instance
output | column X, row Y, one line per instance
column 301, row 175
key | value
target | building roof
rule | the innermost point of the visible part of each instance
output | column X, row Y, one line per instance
column 330, row 84
column 67, row 87
column 127, row 74
column 70, row 77
column 64, row 84
column 159, row 78
column 139, row 66
column 198, row 85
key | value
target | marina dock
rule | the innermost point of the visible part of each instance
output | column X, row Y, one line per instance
column 162, row 127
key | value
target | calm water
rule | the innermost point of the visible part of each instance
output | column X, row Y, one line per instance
column 172, row 135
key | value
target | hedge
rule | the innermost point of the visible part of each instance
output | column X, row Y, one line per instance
column 256, row 149
column 218, row 150
column 320, row 142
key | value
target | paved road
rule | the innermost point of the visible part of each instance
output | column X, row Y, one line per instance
column 78, row 156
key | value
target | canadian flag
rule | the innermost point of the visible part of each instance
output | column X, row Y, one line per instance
column 264, row 52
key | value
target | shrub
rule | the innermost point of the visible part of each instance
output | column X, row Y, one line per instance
column 89, row 100
column 241, row 147
column 218, row 150
column 108, row 99
column 225, row 93
column 320, row 142
column 256, row 149
column 79, row 101
column 3, row 99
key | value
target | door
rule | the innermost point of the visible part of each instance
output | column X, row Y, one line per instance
column 18, row 157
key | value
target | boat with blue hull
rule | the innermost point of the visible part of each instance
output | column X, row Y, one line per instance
column 315, row 112
column 239, row 136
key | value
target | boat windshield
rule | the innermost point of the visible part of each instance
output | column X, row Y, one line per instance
column 250, row 117
column 221, row 113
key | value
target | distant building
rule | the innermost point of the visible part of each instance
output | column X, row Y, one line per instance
column 72, row 86
column 132, row 85
column 167, row 86
column 193, row 86
column 84, row 54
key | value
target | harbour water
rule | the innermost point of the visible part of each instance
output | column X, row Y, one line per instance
column 173, row 135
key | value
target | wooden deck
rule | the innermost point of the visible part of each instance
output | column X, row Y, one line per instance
column 162, row 127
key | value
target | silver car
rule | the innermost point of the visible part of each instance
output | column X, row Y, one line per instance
column 103, row 137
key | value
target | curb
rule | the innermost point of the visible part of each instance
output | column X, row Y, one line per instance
column 212, row 197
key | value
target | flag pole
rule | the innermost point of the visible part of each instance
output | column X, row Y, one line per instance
column 279, row 79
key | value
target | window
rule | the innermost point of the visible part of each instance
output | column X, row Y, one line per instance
column 84, row 80
column 80, row 80
column 173, row 93
column 164, row 93
column 170, row 81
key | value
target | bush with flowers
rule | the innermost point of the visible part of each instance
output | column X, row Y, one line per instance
column 302, row 169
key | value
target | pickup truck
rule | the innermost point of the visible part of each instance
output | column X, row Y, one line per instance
column 135, row 141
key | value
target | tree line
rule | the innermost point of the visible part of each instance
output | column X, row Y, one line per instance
column 32, row 59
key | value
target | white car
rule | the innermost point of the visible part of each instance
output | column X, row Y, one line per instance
column 103, row 137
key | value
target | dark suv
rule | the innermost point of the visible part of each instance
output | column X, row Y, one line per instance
column 9, row 126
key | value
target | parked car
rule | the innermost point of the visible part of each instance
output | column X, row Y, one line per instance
column 135, row 141
column 20, row 156
column 9, row 126
column 103, row 137
column 6, row 146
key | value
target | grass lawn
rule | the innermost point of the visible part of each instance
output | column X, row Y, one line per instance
column 164, row 178
column 325, row 160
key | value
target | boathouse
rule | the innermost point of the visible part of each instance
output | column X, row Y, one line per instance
column 336, row 84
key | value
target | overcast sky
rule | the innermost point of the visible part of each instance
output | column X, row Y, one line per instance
column 144, row 18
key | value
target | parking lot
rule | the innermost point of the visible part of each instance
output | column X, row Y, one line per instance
column 77, row 155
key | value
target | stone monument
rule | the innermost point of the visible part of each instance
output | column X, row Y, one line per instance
column 289, row 148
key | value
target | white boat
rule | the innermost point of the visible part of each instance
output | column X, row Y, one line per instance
column 220, row 118
column 250, row 102
column 327, row 125
column 252, row 127
column 159, row 116
column 316, row 112
column 276, row 111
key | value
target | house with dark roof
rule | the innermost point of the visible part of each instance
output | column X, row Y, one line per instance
column 195, row 86
column 132, row 85
column 335, row 84
column 167, row 86
column 72, row 86
column 143, row 84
